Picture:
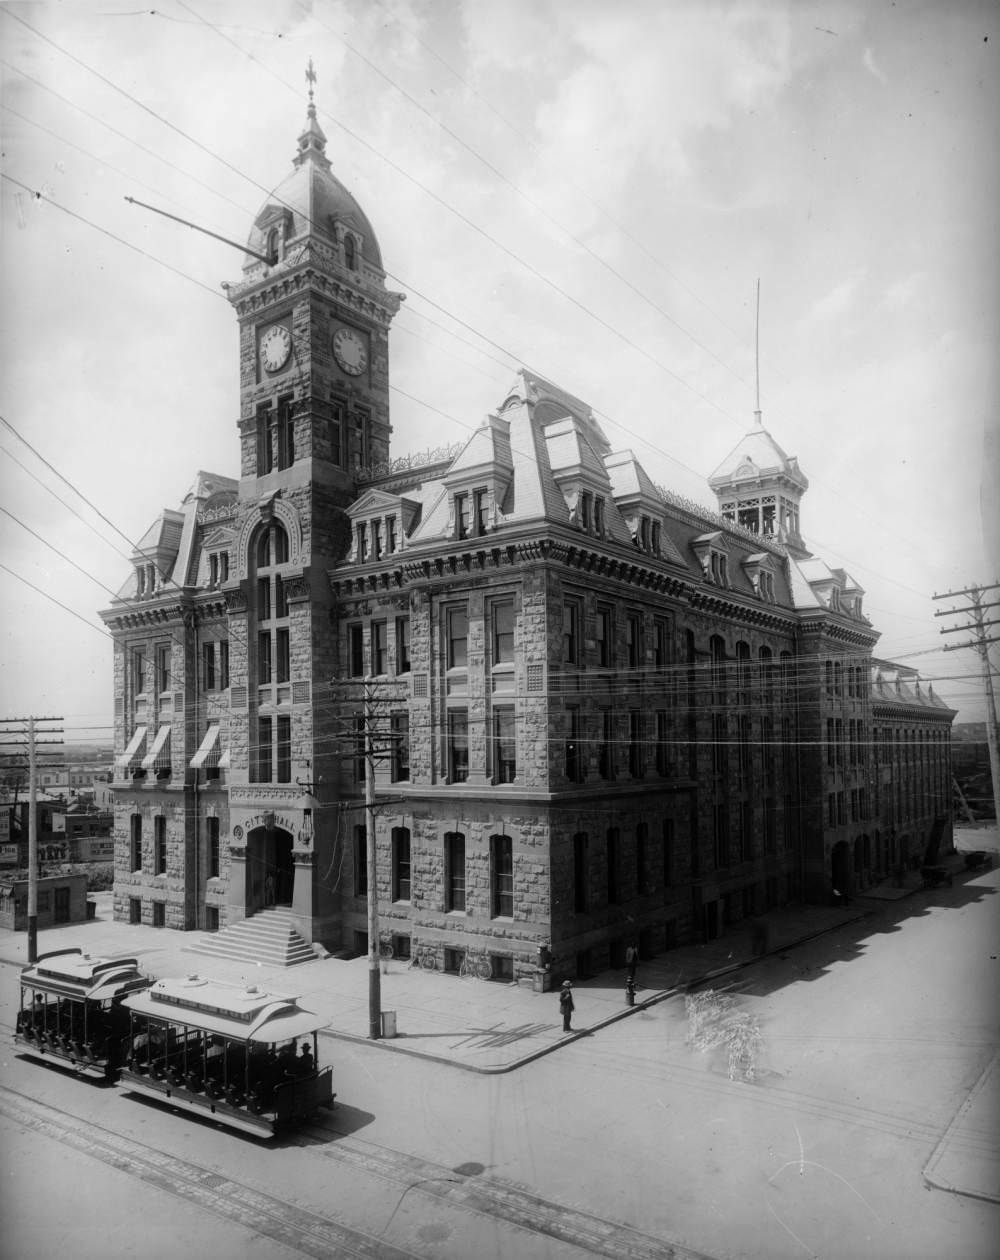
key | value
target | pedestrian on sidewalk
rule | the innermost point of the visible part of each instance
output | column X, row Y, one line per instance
column 566, row 1004
column 632, row 960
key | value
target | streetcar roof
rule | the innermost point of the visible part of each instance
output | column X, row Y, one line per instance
column 238, row 1013
column 72, row 973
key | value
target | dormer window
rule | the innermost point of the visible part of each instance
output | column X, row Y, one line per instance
column 390, row 534
column 140, row 580
column 834, row 599
column 718, row 568
column 655, row 537
column 362, row 543
column 585, row 512
column 765, row 587
column 644, row 532
column 472, row 513
column 273, row 242
column 350, row 254
column 376, row 540
column 598, row 516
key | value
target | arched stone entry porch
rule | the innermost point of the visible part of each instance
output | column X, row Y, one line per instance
column 270, row 872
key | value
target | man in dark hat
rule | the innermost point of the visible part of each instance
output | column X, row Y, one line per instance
column 566, row 1004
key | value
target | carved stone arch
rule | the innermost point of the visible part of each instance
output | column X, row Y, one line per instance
column 268, row 509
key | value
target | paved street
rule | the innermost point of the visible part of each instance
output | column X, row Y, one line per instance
column 875, row 1036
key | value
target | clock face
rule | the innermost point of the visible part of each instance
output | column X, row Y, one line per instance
column 350, row 351
column 275, row 347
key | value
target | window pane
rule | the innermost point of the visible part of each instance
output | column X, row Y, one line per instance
column 455, row 871
column 458, row 636
column 458, row 745
column 284, row 750
column 503, row 634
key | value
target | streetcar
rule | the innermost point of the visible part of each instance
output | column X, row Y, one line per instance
column 72, row 1009
column 246, row 1057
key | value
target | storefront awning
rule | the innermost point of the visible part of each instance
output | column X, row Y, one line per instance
column 158, row 757
column 207, row 756
column 224, row 760
column 132, row 755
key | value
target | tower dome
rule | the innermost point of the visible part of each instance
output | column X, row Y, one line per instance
column 312, row 202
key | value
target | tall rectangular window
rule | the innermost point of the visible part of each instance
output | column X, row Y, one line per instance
column 668, row 852
column 720, row 820
column 770, row 824
column 458, row 638
column 661, row 644
column 223, row 663
column 265, row 446
column 399, row 726
column 504, row 746
column 402, row 645
column 571, row 633
column 400, row 864
column 454, row 871
column 283, row 654
column 360, row 861
column 580, row 872
column 163, row 668
column 461, row 515
column 159, row 845
column 720, row 751
column 458, row 745
column 380, row 643
column 503, row 633
column 361, row 534
column 286, row 433
column 606, row 752
column 634, row 640
column 641, row 835
column 139, row 671
column 377, row 540
column 136, row 841
column 613, row 852
column 746, row 831
column 264, row 667
column 390, row 534
column 481, row 510
column 604, row 631
column 284, row 750
column 502, row 877
column 264, row 749
column 574, row 765
column 357, row 639
column 212, row 835
column 662, row 742
column 635, row 766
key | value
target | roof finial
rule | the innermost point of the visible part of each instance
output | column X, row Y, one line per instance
column 310, row 79
column 756, row 349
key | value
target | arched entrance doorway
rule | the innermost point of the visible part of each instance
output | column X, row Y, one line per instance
column 270, row 870
column 840, row 868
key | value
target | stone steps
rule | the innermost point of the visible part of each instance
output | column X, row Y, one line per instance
column 267, row 937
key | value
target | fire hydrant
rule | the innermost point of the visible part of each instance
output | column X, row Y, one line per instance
column 630, row 993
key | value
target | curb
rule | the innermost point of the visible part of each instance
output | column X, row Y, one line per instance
column 661, row 995
column 942, row 1146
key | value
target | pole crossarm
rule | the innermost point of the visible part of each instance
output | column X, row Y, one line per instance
column 977, row 644
column 959, row 629
column 969, row 590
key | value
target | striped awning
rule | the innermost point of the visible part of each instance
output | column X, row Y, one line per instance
column 207, row 756
column 158, row 757
column 132, row 755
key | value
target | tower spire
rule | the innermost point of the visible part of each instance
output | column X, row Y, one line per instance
column 312, row 142
column 756, row 349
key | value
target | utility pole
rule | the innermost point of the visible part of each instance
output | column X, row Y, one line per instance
column 33, row 767
column 980, row 643
column 376, row 745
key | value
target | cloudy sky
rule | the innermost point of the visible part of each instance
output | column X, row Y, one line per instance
column 589, row 190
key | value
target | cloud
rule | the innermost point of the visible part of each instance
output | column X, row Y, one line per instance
column 840, row 299
column 868, row 59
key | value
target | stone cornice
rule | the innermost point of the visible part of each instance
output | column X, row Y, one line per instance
column 313, row 272
column 137, row 615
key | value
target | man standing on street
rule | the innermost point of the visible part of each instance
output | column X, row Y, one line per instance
column 566, row 1004
column 632, row 960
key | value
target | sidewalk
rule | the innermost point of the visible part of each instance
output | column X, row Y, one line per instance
column 475, row 1025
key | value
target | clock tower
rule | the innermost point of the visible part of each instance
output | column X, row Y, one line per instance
column 314, row 315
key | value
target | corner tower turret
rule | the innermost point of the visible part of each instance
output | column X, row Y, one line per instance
column 760, row 487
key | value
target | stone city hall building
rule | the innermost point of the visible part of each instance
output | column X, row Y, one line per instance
column 600, row 711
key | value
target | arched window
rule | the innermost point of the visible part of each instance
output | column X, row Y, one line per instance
column 271, row 759
column 272, row 246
